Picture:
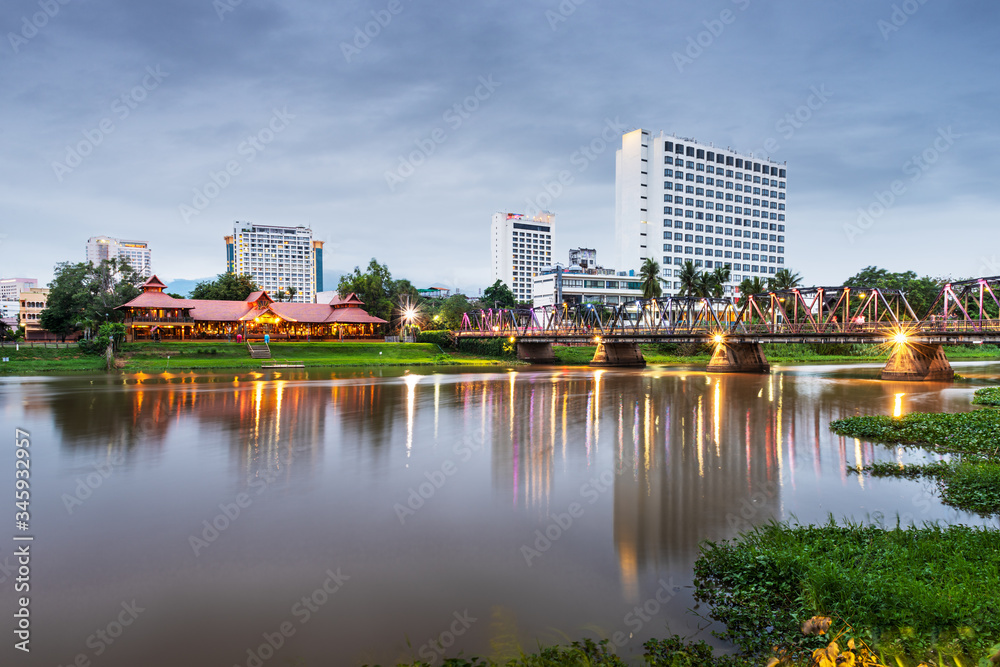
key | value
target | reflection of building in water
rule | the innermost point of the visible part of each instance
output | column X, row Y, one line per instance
column 526, row 418
column 692, row 466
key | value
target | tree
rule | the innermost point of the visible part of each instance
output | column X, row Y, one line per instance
column 381, row 294
column 226, row 287
column 451, row 312
column 498, row 295
column 689, row 280
column 84, row 295
column 291, row 292
column 920, row 292
column 720, row 276
column 650, row 274
column 784, row 279
column 755, row 285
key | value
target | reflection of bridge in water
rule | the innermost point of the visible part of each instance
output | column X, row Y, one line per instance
column 964, row 312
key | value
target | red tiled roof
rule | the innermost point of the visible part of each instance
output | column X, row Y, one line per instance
column 154, row 282
column 353, row 316
column 339, row 311
column 255, row 296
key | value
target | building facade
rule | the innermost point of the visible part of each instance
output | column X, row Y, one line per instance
column 11, row 288
column 585, row 258
column 137, row 253
column 277, row 258
column 154, row 314
column 679, row 200
column 521, row 246
column 575, row 285
column 32, row 303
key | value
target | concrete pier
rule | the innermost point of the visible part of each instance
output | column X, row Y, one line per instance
column 618, row 354
column 738, row 358
column 916, row 362
column 536, row 353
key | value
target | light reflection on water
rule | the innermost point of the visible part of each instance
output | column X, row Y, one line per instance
column 426, row 490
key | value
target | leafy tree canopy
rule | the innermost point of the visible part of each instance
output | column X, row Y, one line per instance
column 84, row 295
column 920, row 292
column 382, row 296
column 498, row 293
column 225, row 287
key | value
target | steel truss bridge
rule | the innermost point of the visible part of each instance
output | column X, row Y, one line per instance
column 965, row 311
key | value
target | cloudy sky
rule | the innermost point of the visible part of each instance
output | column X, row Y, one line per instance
column 395, row 128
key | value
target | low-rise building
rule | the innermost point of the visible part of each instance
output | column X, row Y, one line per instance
column 154, row 314
column 32, row 303
column 573, row 285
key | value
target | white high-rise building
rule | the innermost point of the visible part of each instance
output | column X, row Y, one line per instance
column 521, row 248
column 11, row 288
column 277, row 258
column 137, row 253
column 678, row 200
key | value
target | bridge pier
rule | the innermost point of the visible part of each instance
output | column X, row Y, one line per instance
column 536, row 353
column 618, row 354
column 738, row 358
column 917, row 362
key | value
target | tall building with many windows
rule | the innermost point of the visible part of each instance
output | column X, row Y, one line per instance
column 521, row 247
column 679, row 199
column 277, row 258
column 11, row 288
column 137, row 253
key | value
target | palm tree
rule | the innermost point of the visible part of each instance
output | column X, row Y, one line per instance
column 755, row 285
column 688, row 280
column 650, row 274
column 291, row 292
column 720, row 277
column 705, row 285
column 785, row 279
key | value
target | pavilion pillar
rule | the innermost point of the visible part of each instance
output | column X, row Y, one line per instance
column 916, row 362
column 738, row 358
column 618, row 354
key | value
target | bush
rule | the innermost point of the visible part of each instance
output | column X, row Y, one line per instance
column 488, row 347
column 441, row 337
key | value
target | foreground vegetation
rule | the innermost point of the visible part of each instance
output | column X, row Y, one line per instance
column 970, row 481
column 912, row 594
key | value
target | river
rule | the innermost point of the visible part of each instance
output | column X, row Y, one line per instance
column 336, row 518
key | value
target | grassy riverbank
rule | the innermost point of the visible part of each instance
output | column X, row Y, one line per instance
column 152, row 357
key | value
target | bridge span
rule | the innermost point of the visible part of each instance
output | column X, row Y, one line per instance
column 964, row 312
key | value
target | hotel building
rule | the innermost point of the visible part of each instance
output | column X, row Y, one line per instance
column 521, row 247
column 277, row 258
column 11, row 288
column 719, row 208
column 137, row 253
column 32, row 303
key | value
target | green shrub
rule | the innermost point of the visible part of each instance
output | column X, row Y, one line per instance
column 488, row 347
column 442, row 337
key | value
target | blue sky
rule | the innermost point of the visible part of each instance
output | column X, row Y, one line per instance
column 167, row 121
